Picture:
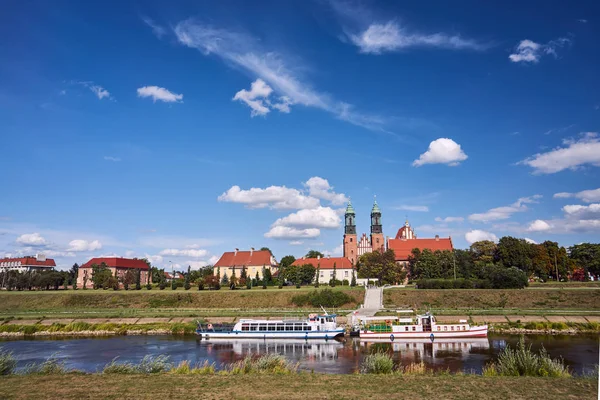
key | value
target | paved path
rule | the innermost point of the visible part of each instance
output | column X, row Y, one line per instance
column 373, row 302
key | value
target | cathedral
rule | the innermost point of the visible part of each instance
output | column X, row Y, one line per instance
column 405, row 241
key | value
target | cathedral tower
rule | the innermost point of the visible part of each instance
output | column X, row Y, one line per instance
column 377, row 241
column 350, row 244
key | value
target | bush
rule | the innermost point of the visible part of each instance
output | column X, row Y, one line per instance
column 524, row 362
column 162, row 285
column 200, row 285
column 149, row 286
column 498, row 278
column 377, row 363
column 187, row 285
column 7, row 362
column 335, row 282
column 325, row 298
column 52, row 366
column 345, row 282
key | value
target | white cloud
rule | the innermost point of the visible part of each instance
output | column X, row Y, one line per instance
column 111, row 158
column 477, row 235
column 412, row 208
column 506, row 211
column 449, row 219
column 319, row 187
column 277, row 197
column 531, row 241
column 32, row 239
column 258, row 99
column 321, row 217
column 243, row 51
column 380, row 38
column 587, row 196
column 338, row 251
column 442, row 151
column 159, row 93
column 286, row 232
column 528, row 51
column 98, row 90
column 575, row 154
column 296, row 242
column 194, row 253
column 539, row 226
column 158, row 30
column 589, row 212
column 84, row 245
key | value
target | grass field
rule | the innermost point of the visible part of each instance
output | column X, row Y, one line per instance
column 295, row 386
column 493, row 301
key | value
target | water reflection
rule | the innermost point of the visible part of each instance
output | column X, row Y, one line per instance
column 91, row 354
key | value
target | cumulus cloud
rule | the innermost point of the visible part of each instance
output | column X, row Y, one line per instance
column 589, row 212
column 442, row 151
column 412, row 208
column 449, row 219
column 257, row 98
column 528, row 51
column 477, row 235
column 573, row 155
column 320, row 217
column 587, row 196
column 538, row 226
column 32, row 239
column 320, row 188
column 506, row 211
column 287, row 232
column 528, row 240
column 160, row 94
column 379, row 38
column 277, row 197
column 84, row 245
column 194, row 253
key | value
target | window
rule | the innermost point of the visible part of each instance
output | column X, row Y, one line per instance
column 245, row 327
column 289, row 327
column 445, row 328
column 346, row 274
column 321, row 274
column 414, row 328
column 262, row 327
column 451, row 328
column 271, row 327
column 463, row 328
column 406, row 328
column 298, row 327
column 350, row 239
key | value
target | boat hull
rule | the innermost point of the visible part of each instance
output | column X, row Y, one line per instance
column 306, row 335
column 474, row 332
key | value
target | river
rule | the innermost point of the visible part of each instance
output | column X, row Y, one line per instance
column 468, row 355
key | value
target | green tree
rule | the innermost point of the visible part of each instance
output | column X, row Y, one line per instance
column 225, row 280
column 318, row 275
column 314, row 254
column 138, row 280
column 513, row 252
column 233, row 280
column 353, row 281
column 100, row 276
column 266, row 249
column 174, row 281
column 381, row 266
column 128, row 278
column 267, row 277
column 187, row 284
column 243, row 274
column 483, row 251
column 587, row 256
column 334, row 277
column 73, row 272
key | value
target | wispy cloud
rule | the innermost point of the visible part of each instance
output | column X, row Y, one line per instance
column 158, row 30
column 98, row 90
column 245, row 52
column 412, row 208
column 160, row 94
column 111, row 158
column 505, row 212
column 528, row 51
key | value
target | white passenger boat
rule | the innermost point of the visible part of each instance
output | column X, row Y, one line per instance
column 422, row 326
column 314, row 327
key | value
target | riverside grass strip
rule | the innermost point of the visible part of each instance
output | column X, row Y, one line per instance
column 294, row 386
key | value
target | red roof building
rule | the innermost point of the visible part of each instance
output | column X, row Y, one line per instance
column 118, row 267
column 343, row 267
column 29, row 263
column 253, row 261
column 406, row 241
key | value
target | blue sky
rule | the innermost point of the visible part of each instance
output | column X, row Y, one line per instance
column 180, row 131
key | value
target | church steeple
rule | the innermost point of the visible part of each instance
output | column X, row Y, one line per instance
column 376, row 218
column 350, row 220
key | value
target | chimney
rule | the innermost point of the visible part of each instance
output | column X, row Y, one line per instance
column 236, row 250
column 251, row 250
column 318, row 257
column 437, row 238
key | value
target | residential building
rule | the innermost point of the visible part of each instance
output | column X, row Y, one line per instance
column 343, row 267
column 406, row 240
column 169, row 276
column 118, row 267
column 39, row 262
column 254, row 261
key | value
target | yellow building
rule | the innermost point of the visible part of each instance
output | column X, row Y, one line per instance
column 253, row 260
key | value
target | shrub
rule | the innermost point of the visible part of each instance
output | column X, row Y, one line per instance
column 115, row 367
column 325, row 298
column 377, row 363
column 149, row 286
column 154, row 364
column 162, row 285
column 7, row 362
column 345, row 282
column 187, row 285
column 200, row 285
column 524, row 362
column 52, row 366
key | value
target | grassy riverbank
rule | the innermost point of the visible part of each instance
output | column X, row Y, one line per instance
column 295, row 386
column 497, row 301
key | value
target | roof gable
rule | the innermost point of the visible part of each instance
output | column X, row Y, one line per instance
column 117, row 262
column 325, row 262
column 245, row 258
column 403, row 247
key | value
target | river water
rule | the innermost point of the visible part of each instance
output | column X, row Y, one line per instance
column 469, row 355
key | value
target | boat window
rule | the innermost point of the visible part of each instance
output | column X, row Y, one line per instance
column 414, row 328
column 289, row 327
column 306, row 327
column 451, row 328
column 271, row 327
column 322, row 320
column 406, row 328
column 445, row 328
column 298, row 327
column 262, row 327
column 245, row 327
column 463, row 328
column 253, row 327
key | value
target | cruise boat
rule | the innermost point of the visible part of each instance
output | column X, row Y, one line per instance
column 422, row 326
column 314, row 327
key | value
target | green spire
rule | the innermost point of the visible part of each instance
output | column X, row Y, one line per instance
column 349, row 208
column 375, row 208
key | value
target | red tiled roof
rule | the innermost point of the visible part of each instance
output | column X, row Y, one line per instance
column 244, row 258
column 117, row 262
column 30, row 262
column 403, row 247
column 325, row 263
column 399, row 234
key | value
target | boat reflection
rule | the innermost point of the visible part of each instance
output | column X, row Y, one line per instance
column 420, row 349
